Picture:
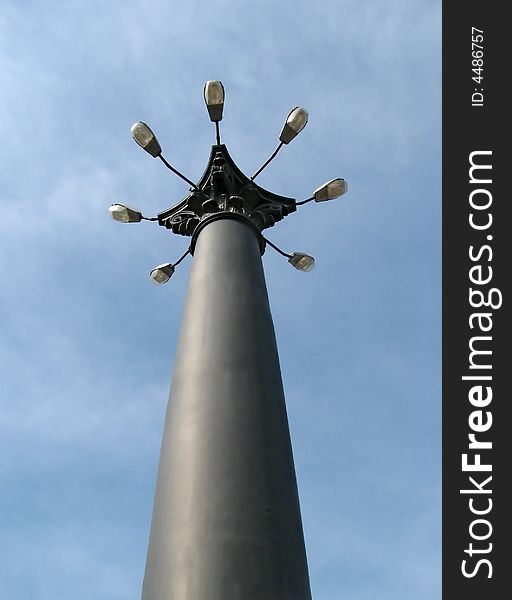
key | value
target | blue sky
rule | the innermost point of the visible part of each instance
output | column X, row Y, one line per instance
column 87, row 342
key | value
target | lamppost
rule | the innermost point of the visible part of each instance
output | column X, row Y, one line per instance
column 226, row 520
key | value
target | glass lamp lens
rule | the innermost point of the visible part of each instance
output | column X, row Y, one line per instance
column 336, row 188
column 297, row 119
column 302, row 262
column 162, row 273
column 213, row 93
column 142, row 134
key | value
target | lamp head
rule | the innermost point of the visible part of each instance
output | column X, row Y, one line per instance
column 124, row 214
column 330, row 190
column 295, row 123
column 146, row 139
column 302, row 262
column 161, row 274
column 214, row 99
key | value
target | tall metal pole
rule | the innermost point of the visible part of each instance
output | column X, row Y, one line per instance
column 226, row 521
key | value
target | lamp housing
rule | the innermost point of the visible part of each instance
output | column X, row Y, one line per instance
column 302, row 262
column 295, row 123
column 330, row 190
column 124, row 214
column 214, row 99
column 161, row 274
column 146, row 139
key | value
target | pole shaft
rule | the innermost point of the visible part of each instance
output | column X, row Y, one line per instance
column 226, row 521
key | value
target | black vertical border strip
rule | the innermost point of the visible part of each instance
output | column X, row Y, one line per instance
column 467, row 129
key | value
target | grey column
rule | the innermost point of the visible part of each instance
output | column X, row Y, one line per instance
column 226, row 521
